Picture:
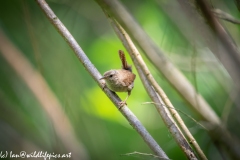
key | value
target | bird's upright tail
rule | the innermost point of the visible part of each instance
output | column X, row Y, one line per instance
column 124, row 61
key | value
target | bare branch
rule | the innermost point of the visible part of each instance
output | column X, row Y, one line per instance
column 178, row 110
column 132, row 119
column 225, row 16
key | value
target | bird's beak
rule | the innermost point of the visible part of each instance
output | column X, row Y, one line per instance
column 103, row 77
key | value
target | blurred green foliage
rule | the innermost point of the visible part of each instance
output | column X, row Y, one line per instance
column 98, row 124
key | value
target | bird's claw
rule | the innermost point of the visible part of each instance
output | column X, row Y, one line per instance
column 121, row 104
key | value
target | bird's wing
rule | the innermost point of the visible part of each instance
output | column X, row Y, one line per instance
column 128, row 78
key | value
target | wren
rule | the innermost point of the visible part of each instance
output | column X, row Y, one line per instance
column 120, row 80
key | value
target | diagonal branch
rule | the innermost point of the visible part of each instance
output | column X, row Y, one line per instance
column 225, row 16
column 132, row 119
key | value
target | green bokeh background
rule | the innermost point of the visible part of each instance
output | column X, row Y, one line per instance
column 97, row 123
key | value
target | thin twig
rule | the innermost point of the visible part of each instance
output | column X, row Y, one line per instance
column 182, row 113
column 225, row 16
column 143, row 154
column 132, row 119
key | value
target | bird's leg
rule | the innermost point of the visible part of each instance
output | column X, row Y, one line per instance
column 122, row 103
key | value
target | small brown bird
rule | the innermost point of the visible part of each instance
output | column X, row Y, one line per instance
column 120, row 80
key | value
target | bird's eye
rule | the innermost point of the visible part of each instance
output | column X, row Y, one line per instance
column 111, row 76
